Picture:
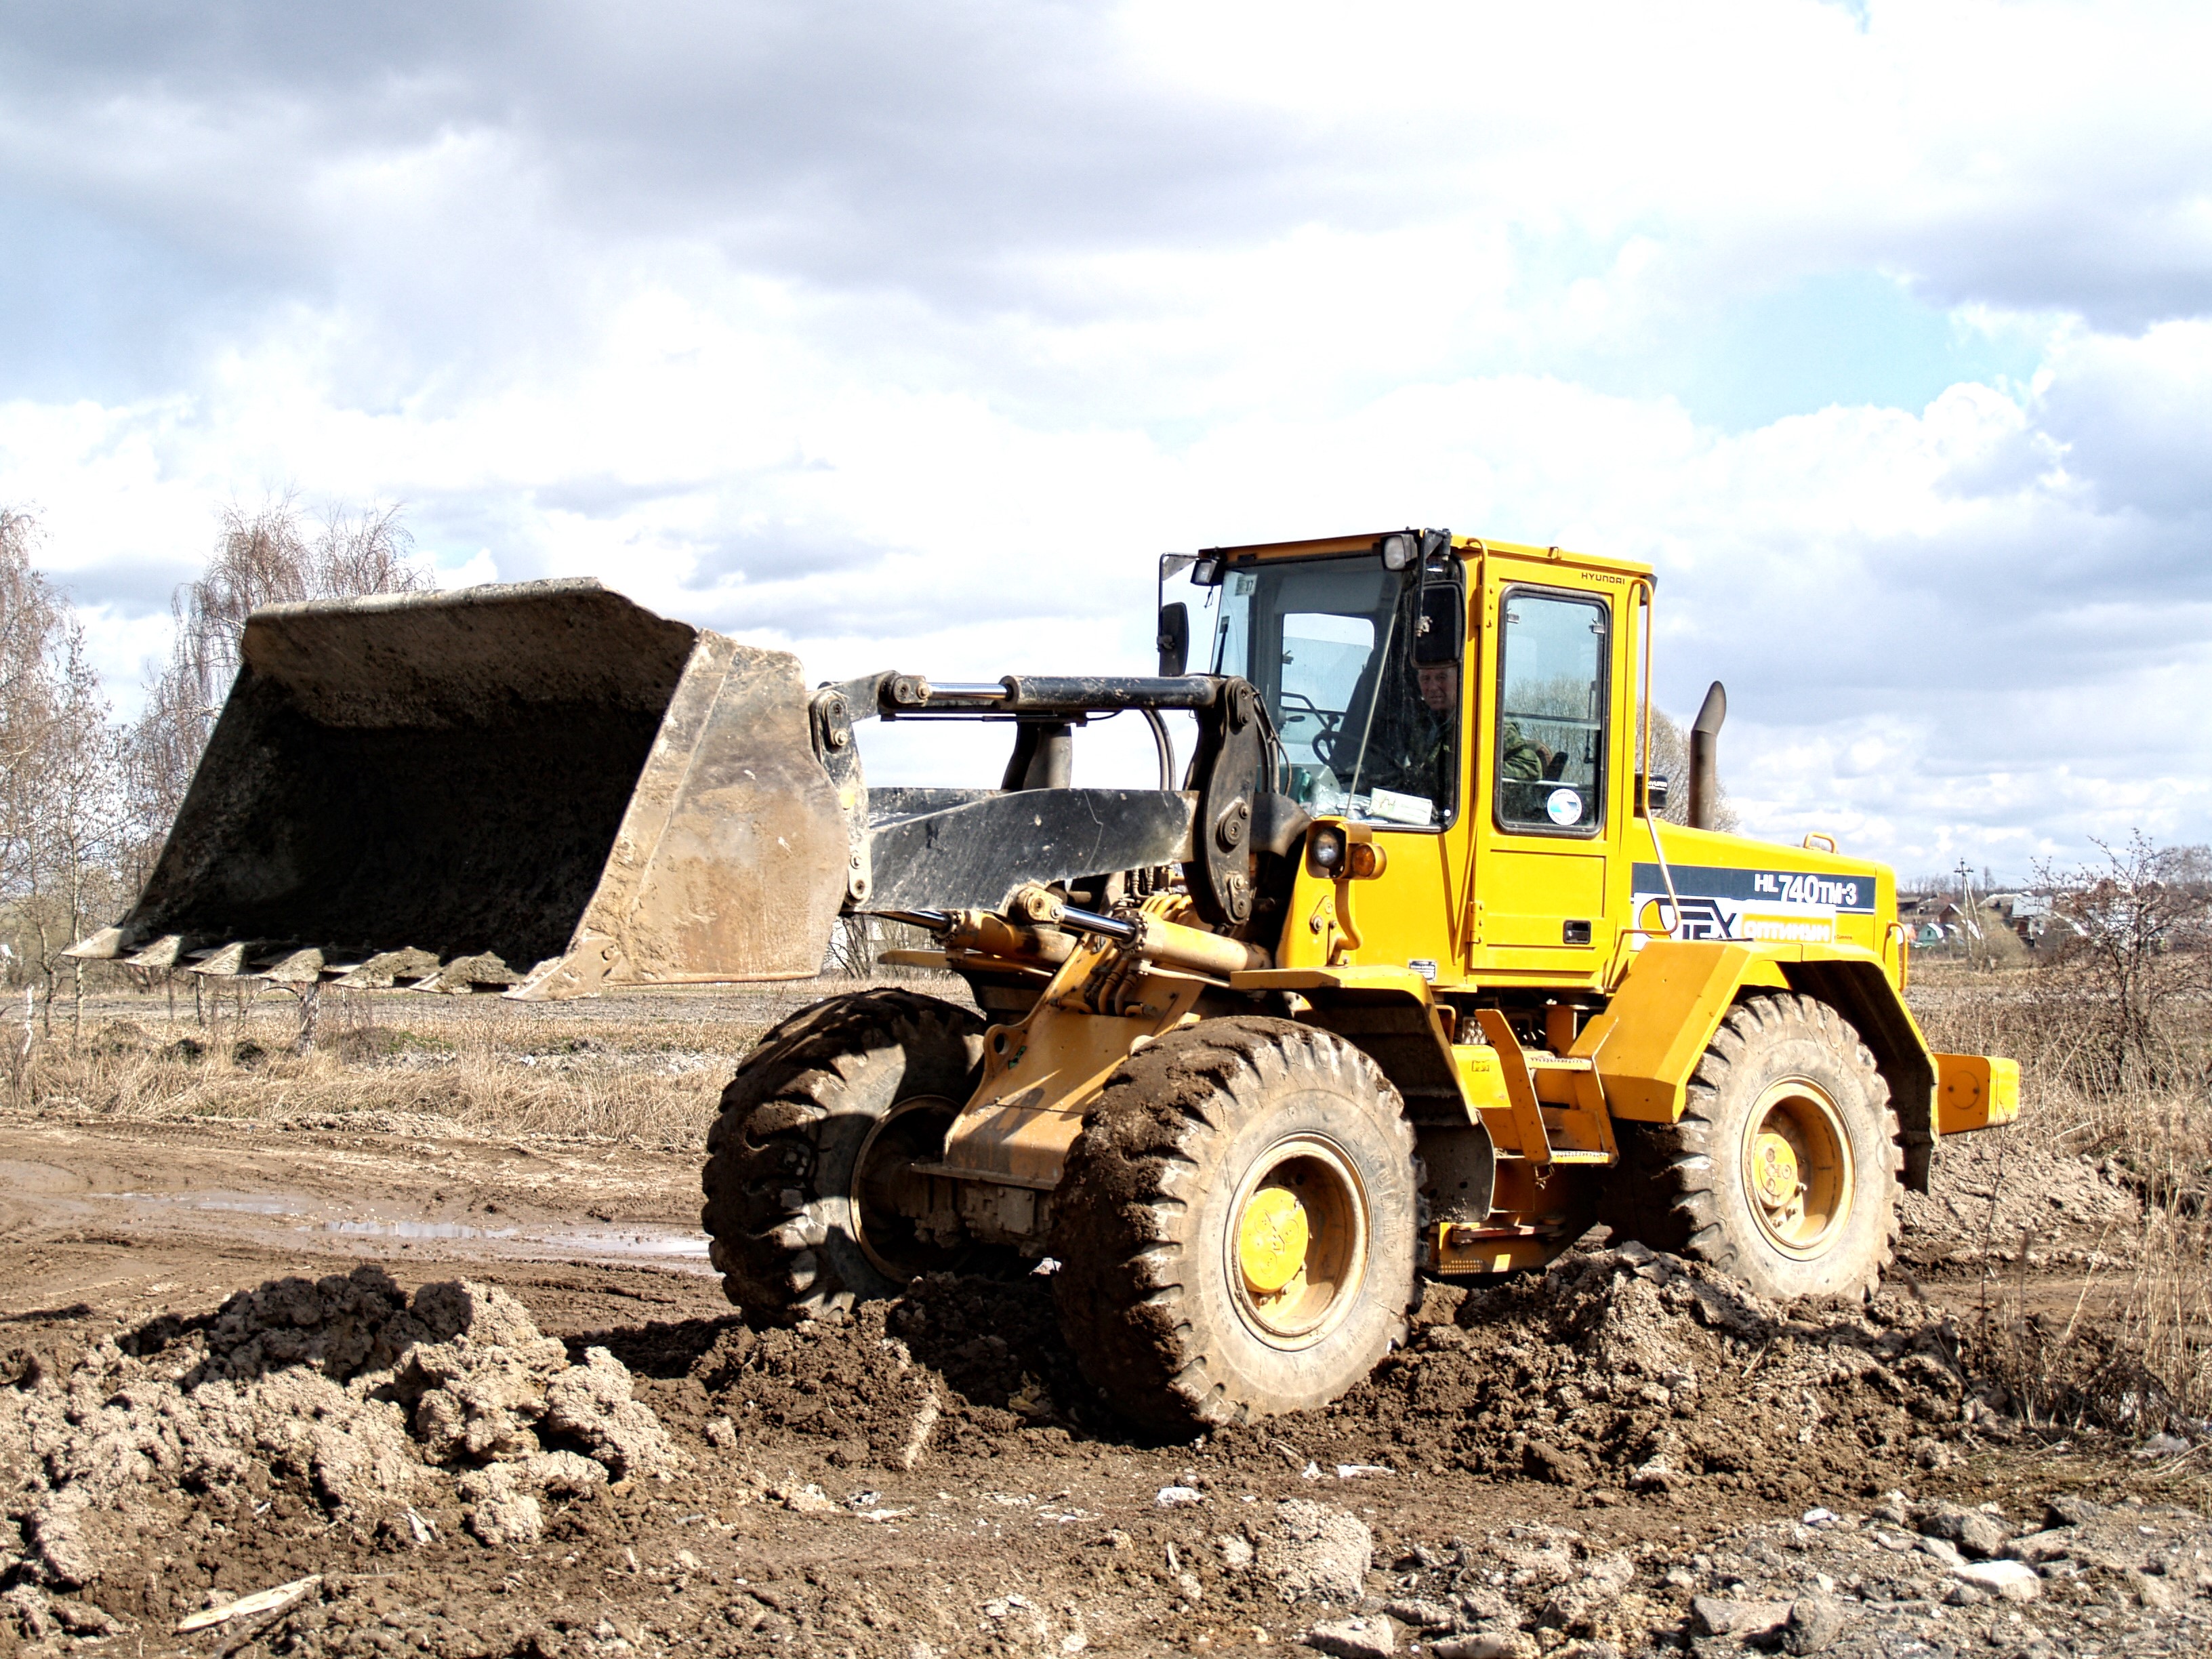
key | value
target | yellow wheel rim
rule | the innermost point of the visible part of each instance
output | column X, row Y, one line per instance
column 1271, row 1240
column 1298, row 1247
column 1797, row 1168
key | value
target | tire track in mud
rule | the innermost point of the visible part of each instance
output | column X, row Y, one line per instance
column 1028, row 1516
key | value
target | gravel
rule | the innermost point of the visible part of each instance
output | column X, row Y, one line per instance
column 2132, row 1577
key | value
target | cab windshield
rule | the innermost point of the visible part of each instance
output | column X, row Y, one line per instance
column 1369, row 730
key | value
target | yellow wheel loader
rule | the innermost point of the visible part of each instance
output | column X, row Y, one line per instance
column 1398, row 974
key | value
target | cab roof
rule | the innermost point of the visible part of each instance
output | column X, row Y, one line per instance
column 1471, row 544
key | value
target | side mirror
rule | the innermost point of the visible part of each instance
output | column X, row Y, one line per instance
column 1175, row 638
column 1655, row 798
column 1440, row 631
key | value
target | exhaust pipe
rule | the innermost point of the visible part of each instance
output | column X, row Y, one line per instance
column 1704, row 757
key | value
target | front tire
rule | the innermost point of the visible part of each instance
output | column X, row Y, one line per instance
column 1782, row 1171
column 816, row 1127
column 1236, row 1225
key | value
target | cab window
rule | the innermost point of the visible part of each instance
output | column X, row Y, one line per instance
column 1552, row 713
column 1324, row 655
column 1360, row 668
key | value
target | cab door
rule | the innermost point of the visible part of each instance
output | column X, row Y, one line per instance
column 1546, row 789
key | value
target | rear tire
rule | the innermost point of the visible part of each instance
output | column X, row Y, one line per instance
column 828, row 1106
column 1236, row 1225
column 1782, row 1171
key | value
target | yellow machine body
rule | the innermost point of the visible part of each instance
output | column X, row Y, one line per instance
column 1633, row 940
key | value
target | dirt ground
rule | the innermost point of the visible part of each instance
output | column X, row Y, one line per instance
column 1624, row 1454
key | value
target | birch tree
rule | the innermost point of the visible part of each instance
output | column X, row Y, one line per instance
column 268, row 556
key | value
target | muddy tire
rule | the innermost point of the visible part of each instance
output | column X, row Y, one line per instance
column 1782, row 1171
column 1236, row 1226
column 829, row 1105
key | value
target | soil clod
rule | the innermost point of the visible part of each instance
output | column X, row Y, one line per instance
column 341, row 1391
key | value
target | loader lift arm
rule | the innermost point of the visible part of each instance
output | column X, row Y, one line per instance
column 541, row 788
column 947, row 849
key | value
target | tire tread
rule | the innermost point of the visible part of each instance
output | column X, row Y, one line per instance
column 1660, row 1193
column 762, row 1211
column 1125, row 1209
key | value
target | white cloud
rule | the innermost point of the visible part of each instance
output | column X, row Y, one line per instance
column 913, row 335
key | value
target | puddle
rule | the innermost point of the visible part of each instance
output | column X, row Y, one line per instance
column 663, row 1246
column 234, row 1203
column 557, row 1243
column 299, row 1214
column 416, row 1230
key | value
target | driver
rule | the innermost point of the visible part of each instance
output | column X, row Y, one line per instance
column 1524, row 759
column 1428, row 729
column 1439, row 682
column 1414, row 750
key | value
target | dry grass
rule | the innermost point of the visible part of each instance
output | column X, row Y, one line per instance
column 2073, row 1095
column 2133, row 1352
column 648, row 1067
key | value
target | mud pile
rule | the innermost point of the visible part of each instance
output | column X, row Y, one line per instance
column 386, row 1413
column 950, row 1367
column 1620, row 1368
column 1994, row 1190
column 1625, row 1368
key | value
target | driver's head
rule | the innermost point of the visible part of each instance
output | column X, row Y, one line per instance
column 1439, row 685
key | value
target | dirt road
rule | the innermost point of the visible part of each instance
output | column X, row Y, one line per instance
column 141, row 1218
column 932, row 1479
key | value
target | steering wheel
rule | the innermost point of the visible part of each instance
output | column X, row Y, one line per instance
column 1328, row 722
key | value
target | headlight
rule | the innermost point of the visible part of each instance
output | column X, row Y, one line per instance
column 1335, row 853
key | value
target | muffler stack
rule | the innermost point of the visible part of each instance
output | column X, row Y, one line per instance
column 536, row 788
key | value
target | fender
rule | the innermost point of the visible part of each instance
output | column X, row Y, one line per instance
column 1647, row 1043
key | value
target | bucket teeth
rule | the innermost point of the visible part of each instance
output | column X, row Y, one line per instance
column 161, row 953
column 227, row 962
column 103, row 946
column 295, row 968
column 484, row 972
column 386, row 968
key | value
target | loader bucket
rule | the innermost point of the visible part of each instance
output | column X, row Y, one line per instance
column 539, row 787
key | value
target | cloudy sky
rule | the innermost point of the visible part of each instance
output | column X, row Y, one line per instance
column 909, row 334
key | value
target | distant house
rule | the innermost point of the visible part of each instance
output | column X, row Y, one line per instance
column 2028, row 914
column 1928, row 919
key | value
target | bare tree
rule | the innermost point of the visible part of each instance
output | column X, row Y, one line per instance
column 265, row 556
column 1670, row 759
column 60, row 809
column 29, row 614
column 2138, row 928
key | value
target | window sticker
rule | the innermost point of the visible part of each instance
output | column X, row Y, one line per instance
column 1391, row 807
column 1564, row 806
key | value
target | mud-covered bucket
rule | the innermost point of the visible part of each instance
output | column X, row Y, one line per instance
column 538, row 787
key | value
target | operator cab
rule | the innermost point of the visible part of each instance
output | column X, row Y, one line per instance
column 1356, row 646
